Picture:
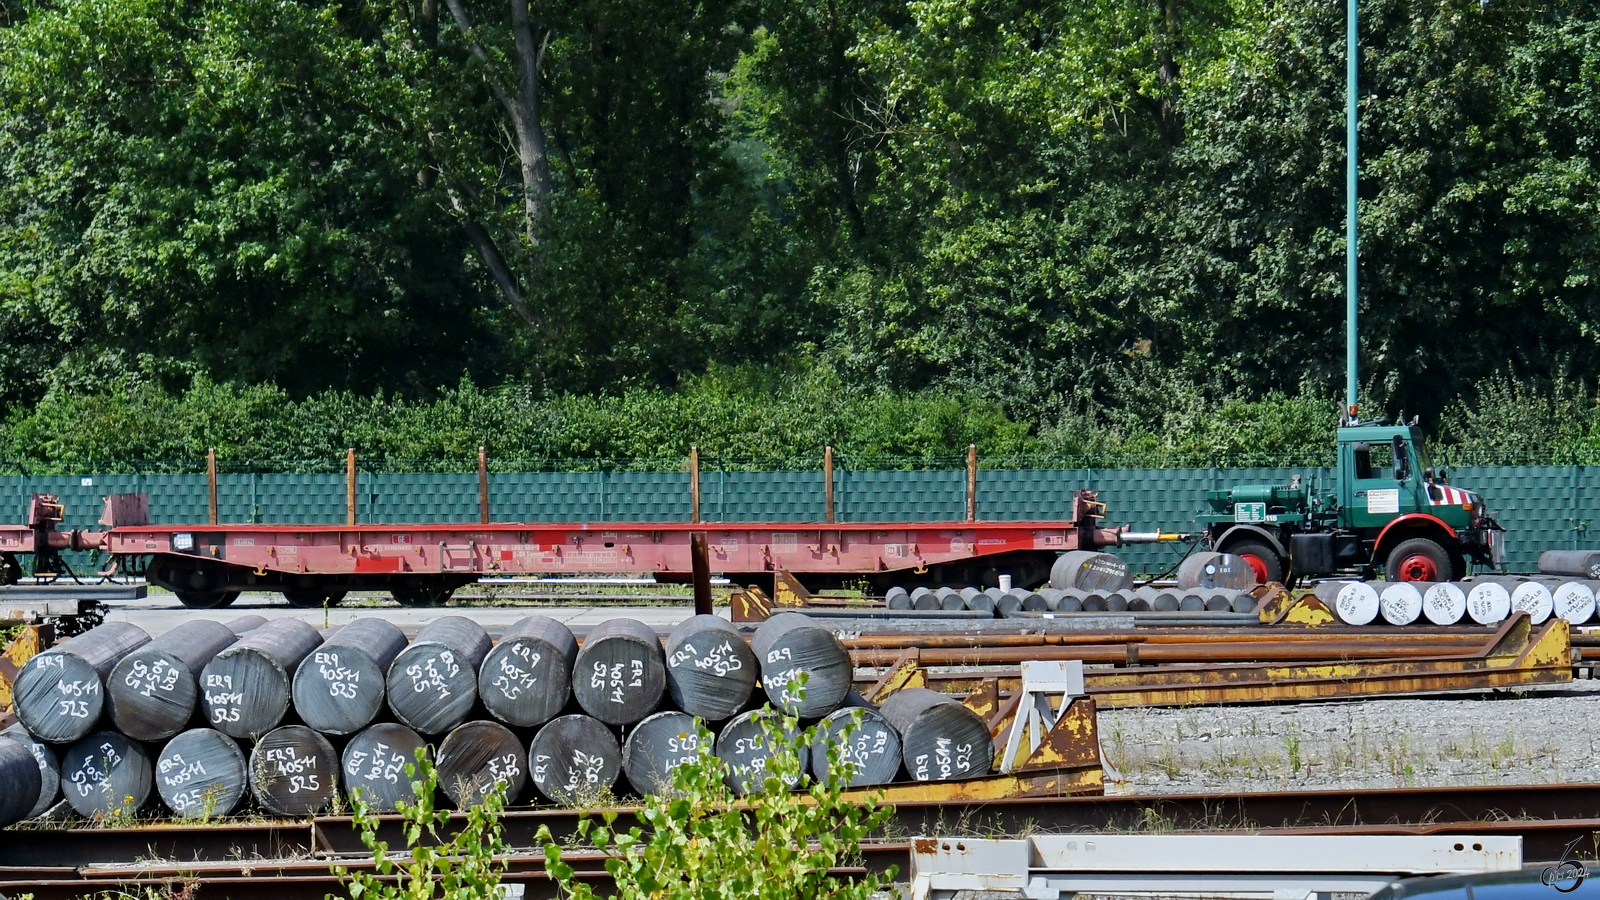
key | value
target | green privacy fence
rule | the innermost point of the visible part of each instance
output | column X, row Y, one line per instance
column 1542, row 507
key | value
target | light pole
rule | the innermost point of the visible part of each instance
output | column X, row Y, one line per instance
column 1350, row 206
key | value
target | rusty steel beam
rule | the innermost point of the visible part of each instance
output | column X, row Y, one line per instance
column 235, row 856
column 1517, row 654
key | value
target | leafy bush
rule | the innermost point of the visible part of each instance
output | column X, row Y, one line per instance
column 468, row 866
column 701, row 842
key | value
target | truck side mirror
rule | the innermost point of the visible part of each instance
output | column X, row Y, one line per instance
column 1402, row 462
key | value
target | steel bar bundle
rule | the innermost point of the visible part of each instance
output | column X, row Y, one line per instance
column 212, row 718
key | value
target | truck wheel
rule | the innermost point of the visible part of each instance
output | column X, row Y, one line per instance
column 1263, row 559
column 1419, row 559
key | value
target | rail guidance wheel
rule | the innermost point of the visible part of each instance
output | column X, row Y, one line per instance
column 1419, row 559
column 313, row 599
column 422, row 596
column 205, row 599
column 1262, row 559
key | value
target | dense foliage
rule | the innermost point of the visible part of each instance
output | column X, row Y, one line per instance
column 741, row 419
column 1067, row 229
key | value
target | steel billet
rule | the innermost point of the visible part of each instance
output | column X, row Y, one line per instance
column 245, row 689
column 574, row 759
column 711, row 670
column 60, row 694
column 790, row 645
column 526, row 679
column 339, row 687
column 201, row 773
column 153, row 691
column 380, row 763
column 656, row 747
column 621, row 673
column 433, row 684
column 478, row 757
column 294, row 771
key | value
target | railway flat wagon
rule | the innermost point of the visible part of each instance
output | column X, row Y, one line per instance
column 208, row 565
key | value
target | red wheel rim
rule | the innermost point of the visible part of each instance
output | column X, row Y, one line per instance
column 1417, row 567
column 1258, row 566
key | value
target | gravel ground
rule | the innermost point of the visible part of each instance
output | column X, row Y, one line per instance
column 1546, row 735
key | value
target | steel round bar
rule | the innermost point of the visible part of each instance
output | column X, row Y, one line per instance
column 574, row 759
column 1090, row 570
column 789, row 646
column 153, row 691
column 106, row 773
column 924, row 598
column 432, row 685
column 1354, row 602
column 245, row 689
column 1209, row 569
column 1117, row 601
column 294, row 771
column 21, row 782
column 478, row 757
column 867, row 743
column 748, row 749
column 339, row 687
column 981, row 601
column 951, row 602
column 897, row 598
column 1399, row 602
column 711, row 670
column 1034, row 601
column 49, row 768
column 1573, row 563
column 1573, row 600
column 1488, row 602
column 656, row 747
column 1532, row 598
column 245, row 624
column 201, row 773
column 380, row 763
column 621, row 673
column 526, row 679
column 940, row 739
column 59, row 694
column 1443, row 602
column 1065, row 601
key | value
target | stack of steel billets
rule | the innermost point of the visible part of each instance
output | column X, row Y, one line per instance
column 1084, row 581
column 212, row 717
column 1485, row 600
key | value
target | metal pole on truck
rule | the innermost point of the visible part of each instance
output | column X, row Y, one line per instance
column 1351, row 69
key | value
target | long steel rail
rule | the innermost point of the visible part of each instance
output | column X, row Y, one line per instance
column 290, row 860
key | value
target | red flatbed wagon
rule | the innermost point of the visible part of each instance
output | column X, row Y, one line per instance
column 421, row 564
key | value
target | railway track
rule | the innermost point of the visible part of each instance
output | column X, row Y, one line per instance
column 290, row 859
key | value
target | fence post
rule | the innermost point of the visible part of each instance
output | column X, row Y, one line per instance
column 211, row 483
column 827, row 481
column 483, row 485
column 694, row 484
column 350, row 486
column 972, row 482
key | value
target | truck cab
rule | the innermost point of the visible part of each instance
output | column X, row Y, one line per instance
column 1384, row 508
